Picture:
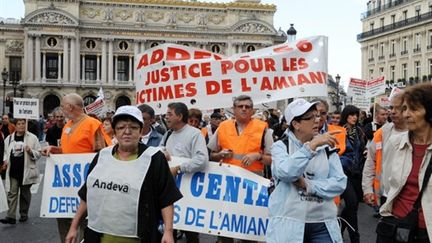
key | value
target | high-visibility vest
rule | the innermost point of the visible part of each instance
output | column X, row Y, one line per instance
column 341, row 137
column 204, row 131
column 81, row 138
column 378, row 141
column 249, row 141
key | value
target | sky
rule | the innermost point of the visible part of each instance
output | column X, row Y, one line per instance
column 337, row 19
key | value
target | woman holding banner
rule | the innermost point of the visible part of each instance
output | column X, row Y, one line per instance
column 308, row 175
column 129, row 189
column 20, row 156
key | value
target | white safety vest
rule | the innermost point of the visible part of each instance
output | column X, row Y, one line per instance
column 318, row 209
column 113, row 190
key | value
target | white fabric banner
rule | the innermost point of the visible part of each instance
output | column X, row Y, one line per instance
column 205, row 80
column 221, row 200
column 26, row 108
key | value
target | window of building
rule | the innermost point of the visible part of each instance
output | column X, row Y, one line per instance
column 417, row 68
column 404, row 71
column 430, row 66
column 91, row 44
column 250, row 48
column 381, row 52
column 215, row 48
column 382, row 23
column 51, row 42
column 154, row 44
column 14, row 68
column 90, row 68
column 381, row 71
column 371, row 26
column 393, row 47
column 417, row 10
column 392, row 72
column 430, row 7
column 123, row 45
column 371, row 53
column 51, row 66
column 417, row 42
column 430, row 39
column 123, row 68
column 89, row 99
column 393, row 19
column 405, row 15
column 371, row 73
column 404, row 45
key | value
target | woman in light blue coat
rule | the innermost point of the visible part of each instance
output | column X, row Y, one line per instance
column 308, row 175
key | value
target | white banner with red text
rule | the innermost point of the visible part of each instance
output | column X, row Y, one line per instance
column 204, row 80
column 222, row 200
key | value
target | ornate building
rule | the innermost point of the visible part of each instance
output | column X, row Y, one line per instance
column 64, row 46
column 397, row 41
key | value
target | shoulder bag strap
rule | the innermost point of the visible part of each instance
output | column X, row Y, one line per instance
column 424, row 185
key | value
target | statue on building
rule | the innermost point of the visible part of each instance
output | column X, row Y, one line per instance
column 108, row 15
column 202, row 19
column 140, row 16
column 172, row 18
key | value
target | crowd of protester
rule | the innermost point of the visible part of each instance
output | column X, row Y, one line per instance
column 318, row 161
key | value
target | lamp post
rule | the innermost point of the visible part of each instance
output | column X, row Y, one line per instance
column 5, row 75
column 337, row 92
column 22, row 90
column 14, row 84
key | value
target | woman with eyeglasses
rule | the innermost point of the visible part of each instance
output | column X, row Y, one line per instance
column 128, row 190
column 410, row 162
column 308, row 175
column 352, row 162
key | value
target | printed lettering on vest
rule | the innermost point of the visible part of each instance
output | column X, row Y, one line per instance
column 111, row 186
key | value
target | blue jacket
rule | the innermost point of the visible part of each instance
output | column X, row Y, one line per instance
column 154, row 139
column 291, row 208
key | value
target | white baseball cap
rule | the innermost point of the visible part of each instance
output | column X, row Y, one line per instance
column 129, row 110
column 297, row 108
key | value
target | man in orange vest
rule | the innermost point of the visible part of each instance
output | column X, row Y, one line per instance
column 377, row 166
column 81, row 134
column 324, row 126
column 242, row 141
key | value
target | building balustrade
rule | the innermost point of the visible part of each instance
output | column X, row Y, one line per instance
column 382, row 7
column 391, row 55
column 396, row 25
column 404, row 52
column 371, row 59
column 417, row 49
column 381, row 57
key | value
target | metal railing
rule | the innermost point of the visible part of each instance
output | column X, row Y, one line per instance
column 382, row 7
column 396, row 25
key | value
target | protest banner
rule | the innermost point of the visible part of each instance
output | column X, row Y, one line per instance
column 357, row 90
column 99, row 108
column 64, row 176
column 383, row 101
column 204, row 80
column 394, row 92
column 222, row 200
column 375, row 87
column 26, row 108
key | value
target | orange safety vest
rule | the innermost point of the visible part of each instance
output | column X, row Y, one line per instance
column 249, row 141
column 377, row 139
column 341, row 137
column 81, row 139
column 204, row 131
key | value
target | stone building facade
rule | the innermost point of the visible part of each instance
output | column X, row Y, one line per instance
column 397, row 41
column 64, row 46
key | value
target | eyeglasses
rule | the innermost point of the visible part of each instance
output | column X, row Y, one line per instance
column 132, row 128
column 323, row 113
column 247, row 107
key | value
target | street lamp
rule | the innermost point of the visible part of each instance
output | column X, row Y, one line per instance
column 5, row 75
column 14, row 84
column 337, row 92
column 22, row 90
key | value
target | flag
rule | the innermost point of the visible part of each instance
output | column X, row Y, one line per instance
column 100, row 94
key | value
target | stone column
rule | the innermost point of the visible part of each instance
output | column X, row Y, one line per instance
column 83, row 78
column 130, row 68
column 104, row 62
column 77, row 60
column 98, row 67
column 116, row 69
column 65, row 59
column 30, row 60
column 110, row 61
column 73, row 78
column 142, row 46
column 136, row 48
column 229, row 50
column 43, row 66
column 59, row 67
column 37, row 60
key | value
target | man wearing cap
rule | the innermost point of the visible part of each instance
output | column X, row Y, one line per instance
column 142, row 190
column 81, row 134
column 242, row 141
column 210, row 129
column 183, row 140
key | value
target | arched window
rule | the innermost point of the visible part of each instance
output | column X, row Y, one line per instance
column 122, row 100
column 215, row 48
